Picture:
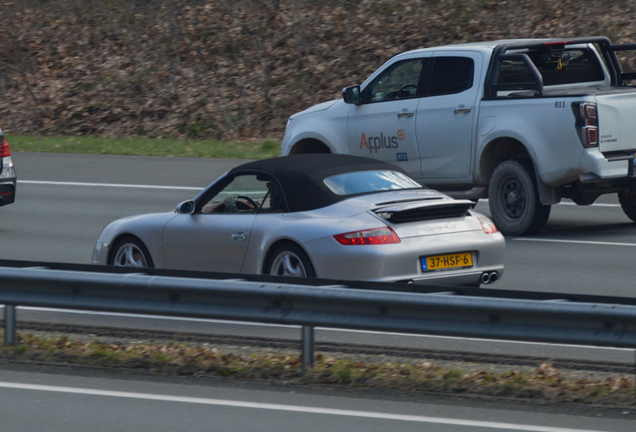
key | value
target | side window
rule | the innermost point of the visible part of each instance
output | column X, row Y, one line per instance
column 274, row 202
column 244, row 194
column 451, row 75
column 399, row 81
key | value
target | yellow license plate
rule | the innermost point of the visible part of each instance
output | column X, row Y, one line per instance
column 447, row 262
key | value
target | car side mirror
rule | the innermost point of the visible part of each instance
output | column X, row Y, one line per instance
column 186, row 207
column 351, row 95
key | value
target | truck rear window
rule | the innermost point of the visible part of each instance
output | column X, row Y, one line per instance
column 571, row 66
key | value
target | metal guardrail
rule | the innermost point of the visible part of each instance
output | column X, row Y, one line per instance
column 467, row 312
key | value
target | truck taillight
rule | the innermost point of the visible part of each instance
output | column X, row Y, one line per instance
column 4, row 148
column 588, row 111
column 587, row 121
column 591, row 136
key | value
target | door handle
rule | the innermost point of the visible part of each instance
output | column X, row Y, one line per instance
column 461, row 110
column 405, row 114
column 239, row 236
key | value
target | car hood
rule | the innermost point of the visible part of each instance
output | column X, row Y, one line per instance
column 320, row 107
column 137, row 225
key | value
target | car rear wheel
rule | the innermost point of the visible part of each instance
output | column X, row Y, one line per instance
column 131, row 252
column 627, row 198
column 290, row 260
column 514, row 199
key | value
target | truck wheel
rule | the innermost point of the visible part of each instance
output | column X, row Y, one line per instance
column 514, row 200
column 627, row 198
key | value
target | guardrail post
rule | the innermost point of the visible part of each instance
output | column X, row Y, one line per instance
column 307, row 356
column 9, row 325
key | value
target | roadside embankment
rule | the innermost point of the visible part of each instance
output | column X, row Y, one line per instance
column 277, row 361
column 235, row 70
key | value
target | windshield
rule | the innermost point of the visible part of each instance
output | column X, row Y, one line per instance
column 369, row 181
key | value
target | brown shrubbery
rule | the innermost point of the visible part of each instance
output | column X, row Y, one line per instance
column 236, row 69
column 545, row 383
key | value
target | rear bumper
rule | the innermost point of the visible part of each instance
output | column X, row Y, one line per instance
column 595, row 167
column 402, row 262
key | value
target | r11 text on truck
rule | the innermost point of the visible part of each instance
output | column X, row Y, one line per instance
column 523, row 123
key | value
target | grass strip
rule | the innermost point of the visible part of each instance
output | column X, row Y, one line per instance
column 145, row 146
column 546, row 383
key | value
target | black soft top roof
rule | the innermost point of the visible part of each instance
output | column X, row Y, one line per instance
column 302, row 176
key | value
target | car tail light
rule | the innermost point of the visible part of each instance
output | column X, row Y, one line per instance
column 487, row 225
column 4, row 148
column 375, row 236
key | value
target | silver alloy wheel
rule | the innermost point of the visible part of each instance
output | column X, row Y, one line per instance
column 287, row 263
column 129, row 255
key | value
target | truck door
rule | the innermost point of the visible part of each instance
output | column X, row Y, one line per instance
column 445, row 118
column 383, row 125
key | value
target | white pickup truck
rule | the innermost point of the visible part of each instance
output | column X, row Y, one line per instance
column 523, row 123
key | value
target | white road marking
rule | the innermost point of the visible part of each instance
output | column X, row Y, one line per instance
column 288, row 408
column 117, row 185
column 255, row 324
column 591, row 205
column 111, row 185
column 570, row 203
column 598, row 243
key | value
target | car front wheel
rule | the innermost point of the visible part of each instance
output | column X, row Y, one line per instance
column 514, row 200
column 290, row 260
column 131, row 252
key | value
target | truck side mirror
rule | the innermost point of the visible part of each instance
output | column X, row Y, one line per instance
column 351, row 95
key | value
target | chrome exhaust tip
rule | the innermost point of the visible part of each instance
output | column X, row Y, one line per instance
column 493, row 277
column 485, row 278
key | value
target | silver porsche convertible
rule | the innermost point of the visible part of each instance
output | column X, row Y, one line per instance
column 317, row 215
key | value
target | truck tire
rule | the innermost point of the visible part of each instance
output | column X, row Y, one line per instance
column 627, row 198
column 514, row 199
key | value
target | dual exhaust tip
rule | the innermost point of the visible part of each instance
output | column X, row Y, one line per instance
column 489, row 277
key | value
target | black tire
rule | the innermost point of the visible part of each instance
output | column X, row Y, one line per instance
column 627, row 198
column 289, row 260
column 514, row 200
column 130, row 252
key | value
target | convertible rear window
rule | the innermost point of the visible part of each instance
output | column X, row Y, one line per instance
column 369, row 181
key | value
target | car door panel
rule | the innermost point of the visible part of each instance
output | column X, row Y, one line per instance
column 207, row 242
column 383, row 126
column 445, row 119
column 387, row 132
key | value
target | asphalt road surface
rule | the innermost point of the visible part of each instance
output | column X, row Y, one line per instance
column 64, row 200
column 31, row 402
